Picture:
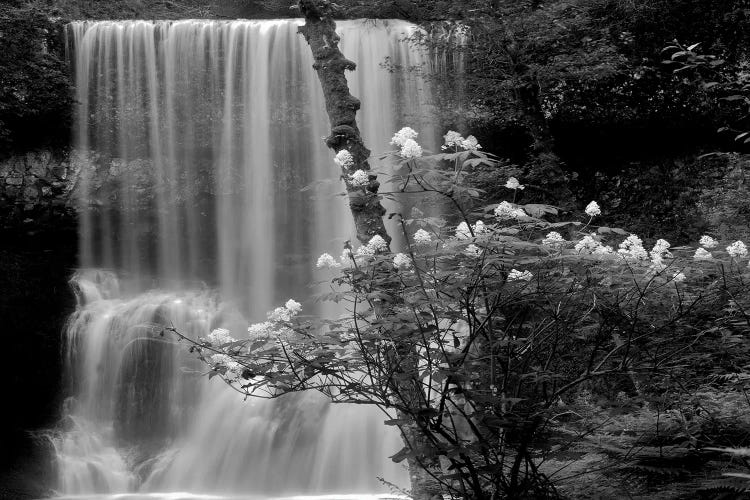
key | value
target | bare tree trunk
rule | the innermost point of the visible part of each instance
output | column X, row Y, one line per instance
column 330, row 64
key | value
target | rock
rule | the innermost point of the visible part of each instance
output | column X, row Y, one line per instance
column 5, row 169
column 38, row 170
column 31, row 193
column 60, row 171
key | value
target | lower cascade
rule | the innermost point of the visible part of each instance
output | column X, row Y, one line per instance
column 145, row 418
column 196, row 139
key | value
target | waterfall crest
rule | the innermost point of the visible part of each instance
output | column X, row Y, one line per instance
column 197, row 138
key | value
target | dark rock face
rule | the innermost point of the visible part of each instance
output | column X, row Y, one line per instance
column 38, row 253
column 38, row 187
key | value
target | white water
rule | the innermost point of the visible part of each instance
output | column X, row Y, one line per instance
column 200, row 135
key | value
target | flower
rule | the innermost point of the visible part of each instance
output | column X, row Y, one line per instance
column 516, row 275
column 293, row 306
column 280, row 314
column 377, row 243
column 552, row 239
column 344, row 159
column 220, row 336
column 708, row 242
column 702, row 254
column 403, row 135
column 632, row 248
column 220, row 359
column 660, row 250
column 737, row 250
column 233, row 369
column 401, row 261
column 603, row 250
column 592, row 209
column 422, row 237
column 452, row 140
column 410, row 149
column 463, row 232
column 471, row 144
column 473, row 250
column 365, row 251
column 588, row 244
column 327, row 260
column 678, row 277
column 513, row 183
column 506, row 210
column 480, row 227
column 260, row 331
column 286, row 313
column 359, row 178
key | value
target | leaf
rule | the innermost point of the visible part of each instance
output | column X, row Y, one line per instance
column 692, row 47
column 396, row 421
column 538, row 209
column 680, row 53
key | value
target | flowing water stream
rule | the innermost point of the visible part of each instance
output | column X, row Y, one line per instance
column 196, row 138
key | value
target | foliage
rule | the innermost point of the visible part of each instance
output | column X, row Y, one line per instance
column 35, row 94
column 491, row 338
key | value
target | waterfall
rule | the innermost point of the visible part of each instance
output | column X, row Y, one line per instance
column 195, row 140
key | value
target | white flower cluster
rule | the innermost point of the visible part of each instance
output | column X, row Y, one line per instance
column 344, row 159
column 590, row 245
column 632, row 249
column 286, row 313
column 327, row 261
column 260, row 331
column 375, row 245
column 220, row 336
column 516, row 275
column 737, row 250
column 463, row 232
column 592, row 209
column 233, row 369
column 708, row 242
column 401, row 261
column 553, row 239
column 422, row 237
column 455, row 140
column 506, row 211
column 660, row 252
column 473, row 251
column 452, row 140
column 410, row 149
column 403, row 135
column 359, row 178
column 513, row 183
column 471, row 144
column 702, row 254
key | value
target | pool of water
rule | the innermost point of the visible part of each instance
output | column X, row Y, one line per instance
column 192, row 496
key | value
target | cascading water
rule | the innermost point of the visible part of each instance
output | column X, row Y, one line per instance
column 196, row 138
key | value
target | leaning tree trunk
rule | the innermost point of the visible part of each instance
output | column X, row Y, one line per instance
column 330, row 64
